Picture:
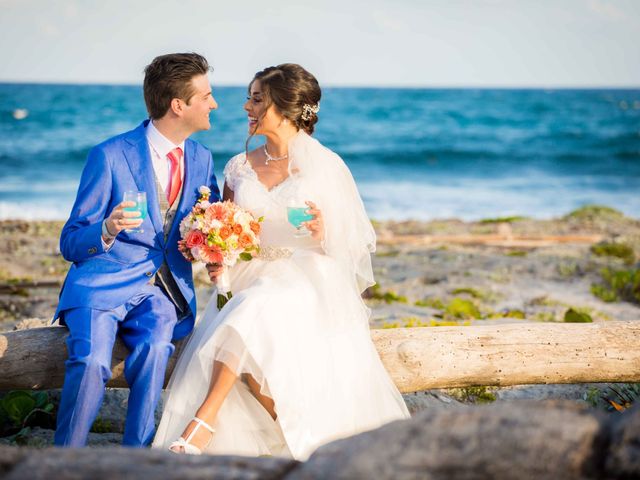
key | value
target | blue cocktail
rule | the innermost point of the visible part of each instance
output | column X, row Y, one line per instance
column 297, row 216
column 140, row 200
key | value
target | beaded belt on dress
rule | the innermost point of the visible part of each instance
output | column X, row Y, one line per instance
column 274, row 253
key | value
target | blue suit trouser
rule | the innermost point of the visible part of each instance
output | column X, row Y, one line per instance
column 145, row 324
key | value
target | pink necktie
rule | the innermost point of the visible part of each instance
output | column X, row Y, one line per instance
column 175, row 177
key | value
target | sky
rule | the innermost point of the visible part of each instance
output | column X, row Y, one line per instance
column 408, row 43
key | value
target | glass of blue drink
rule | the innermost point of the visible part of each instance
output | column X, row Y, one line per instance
column 140, row 200
column 297, row 215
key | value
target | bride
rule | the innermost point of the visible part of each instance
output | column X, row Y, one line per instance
column 288, row 363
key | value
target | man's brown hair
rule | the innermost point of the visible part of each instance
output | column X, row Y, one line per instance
column 168, row 77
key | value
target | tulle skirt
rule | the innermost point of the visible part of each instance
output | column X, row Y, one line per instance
column 298, row 326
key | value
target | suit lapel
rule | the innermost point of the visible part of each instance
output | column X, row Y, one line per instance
column 138, row 158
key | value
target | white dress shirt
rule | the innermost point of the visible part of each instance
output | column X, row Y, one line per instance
column 159, row 146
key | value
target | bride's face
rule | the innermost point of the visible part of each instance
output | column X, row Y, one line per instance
column 261, row 121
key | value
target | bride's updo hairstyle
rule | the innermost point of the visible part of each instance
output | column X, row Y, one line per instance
column 293, row 91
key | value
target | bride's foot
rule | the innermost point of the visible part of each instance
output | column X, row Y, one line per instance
column 196, row 438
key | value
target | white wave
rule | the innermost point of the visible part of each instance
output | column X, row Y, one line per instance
column 469, row 200
column 22, row 210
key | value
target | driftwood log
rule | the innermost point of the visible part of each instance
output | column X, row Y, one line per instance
column 416, row 358
column 518, row 441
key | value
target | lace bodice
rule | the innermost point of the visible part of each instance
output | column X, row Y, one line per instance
column 253, row 195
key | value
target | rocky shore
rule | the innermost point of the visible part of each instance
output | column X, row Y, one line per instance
column 523, row 441
column 445, row 272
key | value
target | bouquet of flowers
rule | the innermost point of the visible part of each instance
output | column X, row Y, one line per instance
column 219, row 233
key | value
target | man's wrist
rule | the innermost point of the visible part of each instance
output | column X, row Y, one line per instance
column 106, row 234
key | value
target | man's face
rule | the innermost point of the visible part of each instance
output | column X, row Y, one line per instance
column 196, row 112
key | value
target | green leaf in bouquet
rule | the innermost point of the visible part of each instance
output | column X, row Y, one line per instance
column 246, row 257
column 223, row 299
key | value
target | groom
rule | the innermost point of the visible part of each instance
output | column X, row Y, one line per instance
column 135, row 285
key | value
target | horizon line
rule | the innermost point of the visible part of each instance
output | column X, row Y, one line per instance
column 360, row 86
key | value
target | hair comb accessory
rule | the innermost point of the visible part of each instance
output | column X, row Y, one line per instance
column 309, row 110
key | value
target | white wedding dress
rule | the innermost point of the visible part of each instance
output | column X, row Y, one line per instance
column 297, row 324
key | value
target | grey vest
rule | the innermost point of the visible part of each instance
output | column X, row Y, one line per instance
column 163, row 277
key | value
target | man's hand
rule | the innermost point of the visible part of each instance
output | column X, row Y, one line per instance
column 215, row 270
column 119, row 220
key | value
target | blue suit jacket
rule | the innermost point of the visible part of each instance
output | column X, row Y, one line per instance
column 105, row 280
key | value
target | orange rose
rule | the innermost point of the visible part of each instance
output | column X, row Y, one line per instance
column 194, row 238
column 225, row 232
column 245, row 240
column 255, row 227
column 237, row 229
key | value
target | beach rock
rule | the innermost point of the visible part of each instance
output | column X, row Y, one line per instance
column 133, row 464
column 624, row 458
column 518, row 440
column 575, row 392
column 43, row 438
column 523, row 440
column 419, row 401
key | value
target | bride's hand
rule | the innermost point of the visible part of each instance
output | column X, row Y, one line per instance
column 315, row 226
column 214, row 270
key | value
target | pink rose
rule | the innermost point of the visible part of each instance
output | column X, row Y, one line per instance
column 215, row 211
column 211, row 254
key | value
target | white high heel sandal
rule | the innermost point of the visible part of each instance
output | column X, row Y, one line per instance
column 187, row 447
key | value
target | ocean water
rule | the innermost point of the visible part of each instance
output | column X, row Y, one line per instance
column 415, row 153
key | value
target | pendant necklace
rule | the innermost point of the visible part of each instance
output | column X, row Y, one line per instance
column 270, row 158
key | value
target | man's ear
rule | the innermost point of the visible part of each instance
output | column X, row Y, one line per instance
column 177, row 107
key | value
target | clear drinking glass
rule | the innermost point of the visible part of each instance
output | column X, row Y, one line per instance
column 297, row 215
column 140, row 200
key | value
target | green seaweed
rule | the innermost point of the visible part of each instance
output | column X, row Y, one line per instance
column 618, row 285
column 576, row 316
column 484, row 295
column 544, row 317
column 617, row 250
column 514, row 218
column 508, row 313
column 387, row 325
column 473, row 394
column 414, row 322
column 567, row 268
column 376, row 293
column 604, row 293
column 100, row 425
column 462, row 308
column 594, row 212
column 431, row 302
column 474, row 292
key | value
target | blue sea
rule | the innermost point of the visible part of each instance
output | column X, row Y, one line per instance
column 415, row 153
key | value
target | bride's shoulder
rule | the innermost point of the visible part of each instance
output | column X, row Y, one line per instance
column 235, row 163
column 234, row 169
